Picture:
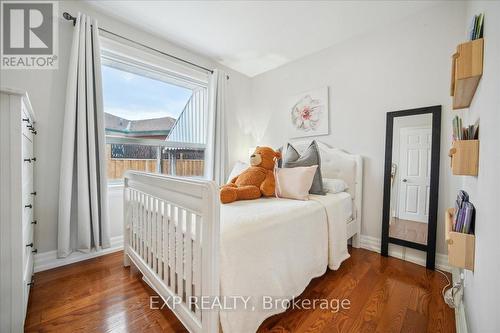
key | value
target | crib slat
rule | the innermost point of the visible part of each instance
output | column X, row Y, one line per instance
column 166, row 271
column 146, row 230
column 130, row 216
column 154, row 229
column 154, row 234
column 150, row 231
column 161, row 243
column 171, row 247
column 150, row 227
column 159, row 240
column 134, row 220
column 179, row 251
column 146, row 221
column 137, row 221
column 141, row 225
column 197, row 264
column 188, row 243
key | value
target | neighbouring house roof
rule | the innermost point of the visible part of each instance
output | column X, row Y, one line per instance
column 191, row 126
column 143, row 127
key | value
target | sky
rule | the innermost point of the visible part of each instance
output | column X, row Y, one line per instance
column 135, row 97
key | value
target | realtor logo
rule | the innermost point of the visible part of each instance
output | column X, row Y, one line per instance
column 29, row 35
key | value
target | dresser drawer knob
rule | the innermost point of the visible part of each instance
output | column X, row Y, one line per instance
column 26, row 120
column 29, row 126
column 34, row 132
column 28, row 206
column 29, row 245
column 34, row 251
column 33, row 193
column 34, row 222
column 34, row 159
column 31, row 283
column 27, row 160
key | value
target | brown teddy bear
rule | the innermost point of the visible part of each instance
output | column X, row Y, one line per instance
column 254, row 182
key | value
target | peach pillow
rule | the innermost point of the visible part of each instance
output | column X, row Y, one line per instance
column 294, row 183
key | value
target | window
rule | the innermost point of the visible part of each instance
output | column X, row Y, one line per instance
column 155, row 118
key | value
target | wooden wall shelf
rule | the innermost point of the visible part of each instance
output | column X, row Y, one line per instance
column 460, row 245
column 466, row 71
column 465, row 157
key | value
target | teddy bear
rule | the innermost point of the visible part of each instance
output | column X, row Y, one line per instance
column 255, row 181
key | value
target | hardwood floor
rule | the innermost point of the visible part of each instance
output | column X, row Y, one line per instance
column 386, row 295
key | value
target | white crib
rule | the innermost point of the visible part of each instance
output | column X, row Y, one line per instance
column 176, row 247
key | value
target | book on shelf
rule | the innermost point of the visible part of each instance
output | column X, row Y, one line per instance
column 460, row 132
column 463, row 220
column 468, row 226
column 476, row 27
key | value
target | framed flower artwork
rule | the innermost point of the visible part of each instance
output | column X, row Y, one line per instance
column 308, row 114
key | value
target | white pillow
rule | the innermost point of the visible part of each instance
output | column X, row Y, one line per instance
column 294, row 183
column 238, row 168
column 332, row 185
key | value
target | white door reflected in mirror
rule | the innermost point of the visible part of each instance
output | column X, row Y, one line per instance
column 410, row 173
column 414, row 158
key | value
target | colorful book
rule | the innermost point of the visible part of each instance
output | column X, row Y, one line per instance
column 479, row 27
column 468, row 213
column 472, row 28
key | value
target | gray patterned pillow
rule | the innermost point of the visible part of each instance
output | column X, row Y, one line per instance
column 309, row 157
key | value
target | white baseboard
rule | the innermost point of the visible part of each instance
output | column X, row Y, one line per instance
column 48, row 260
column 396, row 251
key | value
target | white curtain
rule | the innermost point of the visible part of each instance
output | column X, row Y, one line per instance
column 217, row 145
column 83, row 222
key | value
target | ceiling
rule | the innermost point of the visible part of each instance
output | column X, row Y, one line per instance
column 253, row 37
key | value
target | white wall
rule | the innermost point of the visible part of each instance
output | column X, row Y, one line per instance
column 47, row 88
column 482, row 289
column 404, row 66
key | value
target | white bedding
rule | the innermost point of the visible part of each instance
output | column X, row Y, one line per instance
column 274, row 247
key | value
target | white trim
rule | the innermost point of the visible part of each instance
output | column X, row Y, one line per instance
column 396, row 251
column 48, row 260
column 135, row 59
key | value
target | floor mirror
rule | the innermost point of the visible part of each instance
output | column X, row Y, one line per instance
column 411, row 180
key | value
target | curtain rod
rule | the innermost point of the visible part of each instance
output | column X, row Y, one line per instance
column 70, row 17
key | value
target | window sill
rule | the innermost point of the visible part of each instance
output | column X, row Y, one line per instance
column 115, row 185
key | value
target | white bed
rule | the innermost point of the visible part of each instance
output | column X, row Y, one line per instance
column 274, row 247
column 265, row 247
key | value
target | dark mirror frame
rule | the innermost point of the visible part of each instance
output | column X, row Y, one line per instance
column 430, row 248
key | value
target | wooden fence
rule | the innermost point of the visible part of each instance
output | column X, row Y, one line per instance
column 118, row 166
column 183, row 167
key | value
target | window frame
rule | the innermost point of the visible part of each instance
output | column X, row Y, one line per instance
column 140, row 62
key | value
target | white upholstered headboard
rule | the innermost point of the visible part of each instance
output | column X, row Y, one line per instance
column 337, row 163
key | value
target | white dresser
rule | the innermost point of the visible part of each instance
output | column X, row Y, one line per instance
column 17, row 197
